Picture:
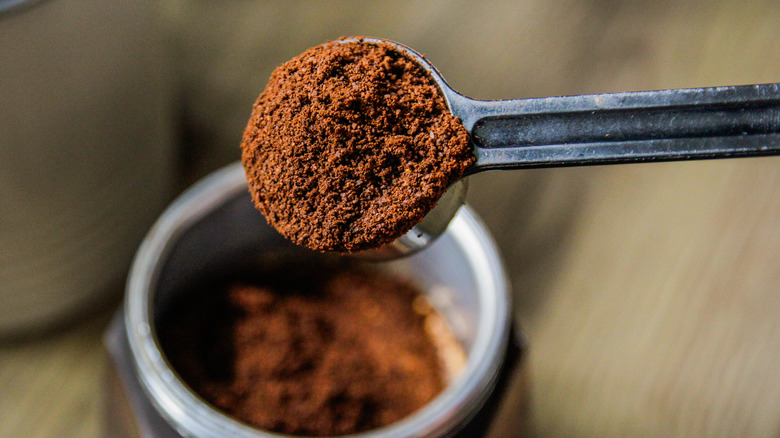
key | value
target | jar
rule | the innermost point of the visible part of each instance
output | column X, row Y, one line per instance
column 86, row 152
column 215, row 224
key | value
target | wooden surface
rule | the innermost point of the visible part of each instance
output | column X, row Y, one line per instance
column 650, row 294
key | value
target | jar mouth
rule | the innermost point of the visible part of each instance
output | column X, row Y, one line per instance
column 447, row 412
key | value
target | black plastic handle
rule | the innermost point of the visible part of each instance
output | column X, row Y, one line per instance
column 685, row 124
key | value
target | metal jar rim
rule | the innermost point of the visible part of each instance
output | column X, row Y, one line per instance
column 457, row 404
column 8, row 6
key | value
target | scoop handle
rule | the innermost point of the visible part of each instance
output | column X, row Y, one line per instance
column 665, row 125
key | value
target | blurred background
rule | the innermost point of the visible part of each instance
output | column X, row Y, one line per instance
column 649, row 293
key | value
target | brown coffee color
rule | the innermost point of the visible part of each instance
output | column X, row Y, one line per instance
column 318, row 352
column 350, row 145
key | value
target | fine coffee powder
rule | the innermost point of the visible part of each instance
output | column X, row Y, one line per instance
column 350, row 145
column 320, row 351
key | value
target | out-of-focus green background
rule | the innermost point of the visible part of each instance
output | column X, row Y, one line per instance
column 649, row 293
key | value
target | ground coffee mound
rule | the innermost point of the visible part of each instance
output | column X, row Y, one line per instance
column 350, row 145
column 318, row 352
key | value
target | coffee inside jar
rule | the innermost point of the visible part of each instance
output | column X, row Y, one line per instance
column 313, row 348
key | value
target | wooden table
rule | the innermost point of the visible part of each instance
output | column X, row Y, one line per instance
column 650, row 294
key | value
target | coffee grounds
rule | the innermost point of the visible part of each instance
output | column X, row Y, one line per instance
column 350, row 145
column 317, row 352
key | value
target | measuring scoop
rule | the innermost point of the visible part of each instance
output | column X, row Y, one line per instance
column 632, row 127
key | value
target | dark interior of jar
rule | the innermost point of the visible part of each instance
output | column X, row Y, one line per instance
column 234, row 236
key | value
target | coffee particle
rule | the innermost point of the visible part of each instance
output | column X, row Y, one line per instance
column 315, row 351
column 350, row 145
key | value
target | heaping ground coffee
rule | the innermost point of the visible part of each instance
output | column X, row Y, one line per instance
column 319, row 350
column 350, row 145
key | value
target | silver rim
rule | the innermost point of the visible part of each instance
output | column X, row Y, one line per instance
column 15, row 5
column 188, row 414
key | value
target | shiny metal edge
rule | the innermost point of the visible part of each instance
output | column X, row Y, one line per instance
column 15, row 6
